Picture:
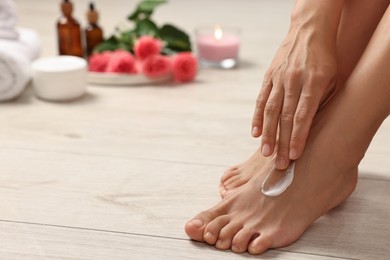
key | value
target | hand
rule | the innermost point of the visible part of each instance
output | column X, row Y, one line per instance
column 303, row 69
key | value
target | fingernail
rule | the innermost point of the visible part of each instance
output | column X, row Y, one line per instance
column 197, row 223
column 280, row 163
column 266, row 150
column 293, row 154
column 255, row 131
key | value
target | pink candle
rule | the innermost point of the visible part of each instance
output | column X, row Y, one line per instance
column 218, row 45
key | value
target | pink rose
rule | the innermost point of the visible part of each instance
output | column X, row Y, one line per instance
column 184, row 66
column 156, row 66
column 98, row 61
column 147, row 46
column 121, row 62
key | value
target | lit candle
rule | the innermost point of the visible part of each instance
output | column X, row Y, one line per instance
column 218, row 47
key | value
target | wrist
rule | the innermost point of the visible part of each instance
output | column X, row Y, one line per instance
column 322, row 16
column 311, row 36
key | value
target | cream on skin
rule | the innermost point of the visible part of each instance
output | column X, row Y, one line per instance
column 277, row 181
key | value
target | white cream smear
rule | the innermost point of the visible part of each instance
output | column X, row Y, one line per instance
column 278, row 181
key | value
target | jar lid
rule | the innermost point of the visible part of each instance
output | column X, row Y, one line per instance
column 59, row 63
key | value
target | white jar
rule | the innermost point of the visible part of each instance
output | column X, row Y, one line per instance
column 60, row 78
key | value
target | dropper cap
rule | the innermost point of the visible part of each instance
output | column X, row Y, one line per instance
column 92, row 14
column 66, row 7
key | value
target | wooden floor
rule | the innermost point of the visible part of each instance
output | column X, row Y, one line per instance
column 116, row 175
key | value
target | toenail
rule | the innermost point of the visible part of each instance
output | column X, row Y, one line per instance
column 234, row 248
column 219, row 243
column 253, row 250
column 208, row 236
column 197, row 223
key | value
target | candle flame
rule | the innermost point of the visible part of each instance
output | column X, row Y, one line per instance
column 218, row 34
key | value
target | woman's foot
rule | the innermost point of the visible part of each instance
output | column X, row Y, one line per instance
column 247, row 220
column 236, row 176
column 326, row 173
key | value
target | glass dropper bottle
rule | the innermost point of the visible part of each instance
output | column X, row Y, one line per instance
column 93, row 32
column 69, row 32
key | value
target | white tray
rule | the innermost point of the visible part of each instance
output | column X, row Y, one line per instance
column 124, row 79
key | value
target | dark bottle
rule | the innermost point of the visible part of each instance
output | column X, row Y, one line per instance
column 93, row 32
column 69, row 32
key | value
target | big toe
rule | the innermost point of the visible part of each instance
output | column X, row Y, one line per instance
column 195, row 227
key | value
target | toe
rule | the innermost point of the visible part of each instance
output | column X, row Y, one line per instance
column 226, row 192
column 212, row 230
column 237, row 183
column 223, row 191
column 242, row 238
column 194, row 229
column 226, row 235
column 232, row 171
column 196, row 226
column 231, row 180
column 259, row 245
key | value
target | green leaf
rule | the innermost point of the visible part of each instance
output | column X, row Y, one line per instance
column 138, row 15
column 150, row 5
column 124, row 46
column 176, row 39
column 110, row 44
column 145, row 9
column 128, row 38
column 147, row 27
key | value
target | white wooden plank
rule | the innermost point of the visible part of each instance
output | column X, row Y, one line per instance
column 156, row 198
column 29, row 241
column 134, row 131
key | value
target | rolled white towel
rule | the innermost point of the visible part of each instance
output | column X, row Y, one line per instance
column 15, row 59
column 8, row 20
column 15, row 73
column 28, row 44
column 18, row 47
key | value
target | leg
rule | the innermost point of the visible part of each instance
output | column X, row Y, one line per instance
column 248, row 220
column 358, row 22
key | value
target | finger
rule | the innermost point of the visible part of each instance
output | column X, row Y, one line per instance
column 290, row 102
column 270, row 120
column 304, row 114
column 257, row 121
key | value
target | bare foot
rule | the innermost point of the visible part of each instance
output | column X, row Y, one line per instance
column 326, row 173
column 238, row 175
column 247, row 220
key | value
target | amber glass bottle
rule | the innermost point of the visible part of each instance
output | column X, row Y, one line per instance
column 69, row 32
column 93, row 32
